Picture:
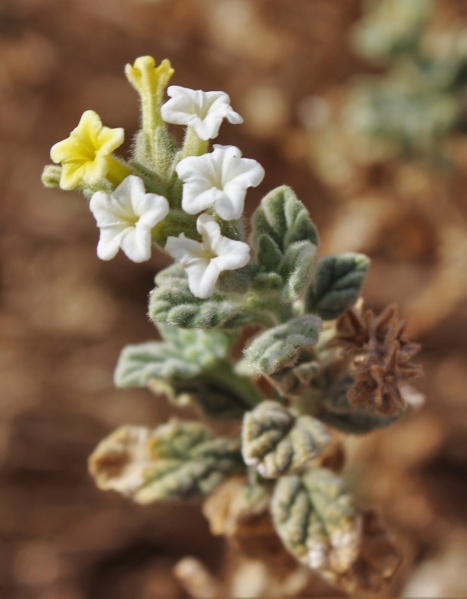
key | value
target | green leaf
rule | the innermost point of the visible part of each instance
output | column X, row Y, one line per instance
column 268, row 281
column 296, row 268
column 171, row 302
column 285, row 240
column 336, row 284
column 183, row 355
column 316, row 520
column 191, row 368
column 282, row 217
column 269, row 254
column 281, row 346
column 275, row 442
column 178, row 460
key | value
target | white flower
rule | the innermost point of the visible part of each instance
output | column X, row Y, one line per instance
column 126, row 217
column 218, row 179
column 205, row 261
column 203, row 111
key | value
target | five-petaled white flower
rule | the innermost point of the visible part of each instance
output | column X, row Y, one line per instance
column 203, row 111
column 205, row 261
column 219, row 179
column 126, row 217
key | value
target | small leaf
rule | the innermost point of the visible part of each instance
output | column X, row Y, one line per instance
column 296, row 268
column 281, row 346
column 286, row 241
column 315, row 518
column 282, row 217
column 178, row 460
column 336, row 284
column 275, row 442
column 139, row 364
column 269, row 255
column 172, row 302
column 183, row 355
column 190, row 368
column 268, row 281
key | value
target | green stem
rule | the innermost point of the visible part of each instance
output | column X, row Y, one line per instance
column 193, row 145
column 238, row 385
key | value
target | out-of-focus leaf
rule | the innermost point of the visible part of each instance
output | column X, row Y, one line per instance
column 315, row 518
column 281, row 346
column 275, row 442
column 178, row 460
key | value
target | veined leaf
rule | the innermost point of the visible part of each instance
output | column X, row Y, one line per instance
column 178, row 460
column 336, row 284
column 275, row 442
column 171, row 302
column 316, row 520
column 281, row 346
column 285, row 240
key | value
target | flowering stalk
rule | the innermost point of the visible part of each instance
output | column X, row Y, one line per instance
column 150, row 82
column 254, row 330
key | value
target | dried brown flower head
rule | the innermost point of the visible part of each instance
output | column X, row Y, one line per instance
column 382, row 356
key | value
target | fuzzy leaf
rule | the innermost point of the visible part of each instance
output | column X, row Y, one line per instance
column 282, row 217
column 183, row 355
column 189, row 368
column 281, row 346
column 275, row 442
column 315, row 518
column 286, row 241
column 269, row 281
column 336, row 284
column 178, row 460
column 269, row 254
column 172, row 302
column 296, row 268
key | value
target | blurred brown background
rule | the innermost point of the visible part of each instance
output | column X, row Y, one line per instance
column 65, row 315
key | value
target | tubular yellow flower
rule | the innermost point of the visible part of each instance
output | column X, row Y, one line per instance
column 150, row 82
column 85, row 154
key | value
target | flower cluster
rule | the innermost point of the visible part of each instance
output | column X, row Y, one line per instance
column 280, row 461
column 133, row 210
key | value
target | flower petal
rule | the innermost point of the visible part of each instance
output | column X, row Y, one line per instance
column 219, row 179
column 109, row 243
column 203, row 111
column 136, row 244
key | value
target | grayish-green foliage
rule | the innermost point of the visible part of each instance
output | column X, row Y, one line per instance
column 336, row 284
column 185, row 353
column 189, row 462
column 316, row 520
column 280, row 347
column 275, row 442
column 191, row 368
column 178, row 460
column 172, row 302
column 285, row 240
column 296, row 268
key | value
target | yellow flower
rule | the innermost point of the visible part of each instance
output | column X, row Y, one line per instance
column 149, row 81
column 85, row 155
